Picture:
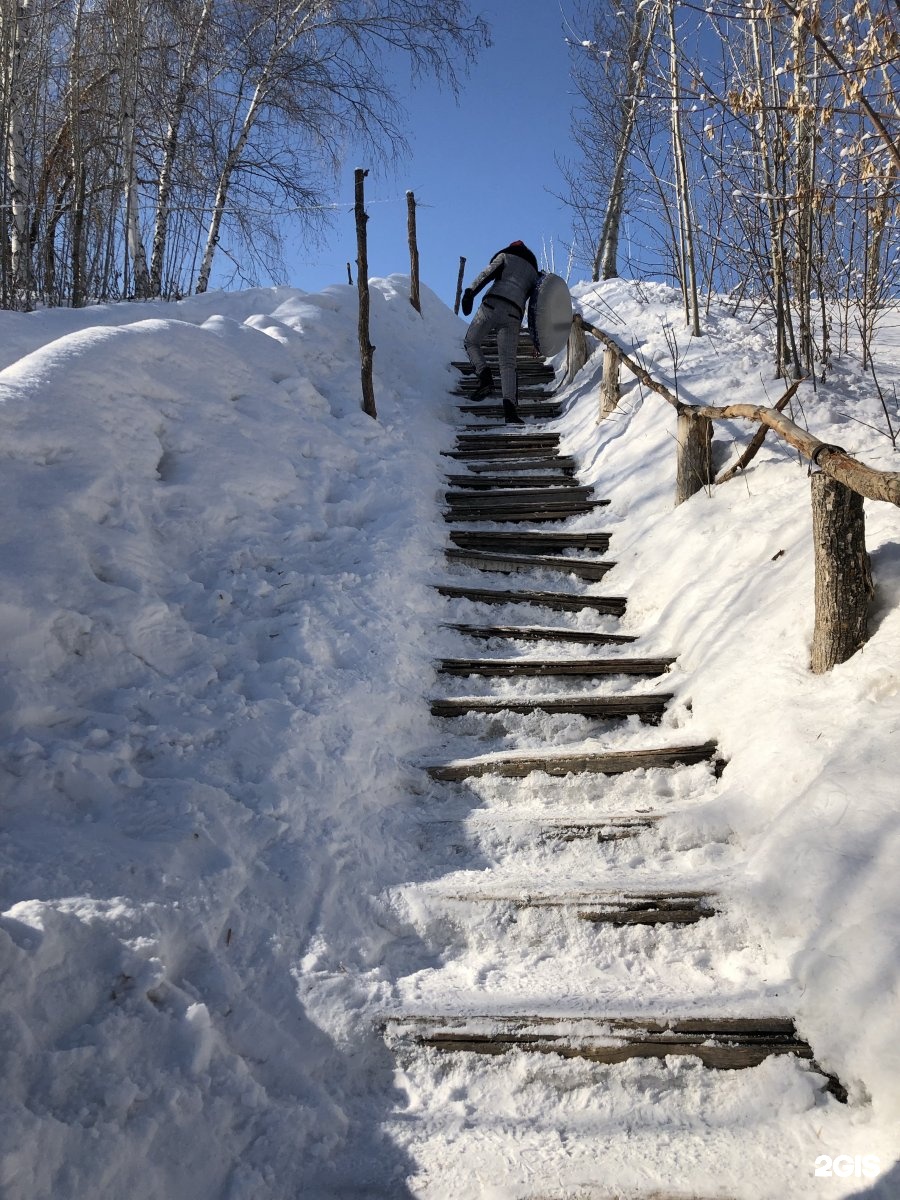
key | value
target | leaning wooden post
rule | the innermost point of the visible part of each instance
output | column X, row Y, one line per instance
column 843, row 573
column 695, row 469
column 366, row 349
column 576, row 348
column 609, row 385
column 413, row 252
column 459, row 283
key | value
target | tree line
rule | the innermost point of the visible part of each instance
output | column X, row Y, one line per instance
column 745, row 147
column 143, row 140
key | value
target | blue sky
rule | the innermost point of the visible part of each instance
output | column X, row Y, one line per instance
column 483, row 170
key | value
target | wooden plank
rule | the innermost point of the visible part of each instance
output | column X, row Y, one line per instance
column 476, row 447
column 542, row 633
column 507, row 441
column 488, row 560
column 588, row 668
column 484, row 482
column 724, row 1044
column 527, row 541
column 648, row 708
column 639, row 908
column 591, row 570
column 612, row 829
column 518, row 765
column 561, row 463
column 561, row 601
column 518, row 516
column 521, row 497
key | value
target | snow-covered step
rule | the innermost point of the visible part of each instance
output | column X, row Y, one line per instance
column 510, row 564
column 520, row 763
column 542, row 633
column 507, row 440
column 561, row 601
column 510, row 668
column 564, row 464
column 648, row 707
column 497, row 482
column 528, row 541
column 646, row 907
column 717, row 1041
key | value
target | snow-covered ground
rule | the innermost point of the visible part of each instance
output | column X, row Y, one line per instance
column 222, row 861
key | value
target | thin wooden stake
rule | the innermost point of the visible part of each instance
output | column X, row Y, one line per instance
column 413, row 252
column 459, row 283
column 366, row 349
column 843, row 573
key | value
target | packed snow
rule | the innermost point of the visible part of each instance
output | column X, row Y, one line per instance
column 224, row 865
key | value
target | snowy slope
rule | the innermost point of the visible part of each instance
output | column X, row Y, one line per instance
column 218, row 632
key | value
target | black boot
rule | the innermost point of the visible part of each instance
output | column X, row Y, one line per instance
column 511, row 413
column 485, row 385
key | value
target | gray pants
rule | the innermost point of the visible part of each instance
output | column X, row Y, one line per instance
column 503, row 318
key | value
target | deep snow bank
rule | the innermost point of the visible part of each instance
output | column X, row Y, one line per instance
column 726, row 581
column 214, row 575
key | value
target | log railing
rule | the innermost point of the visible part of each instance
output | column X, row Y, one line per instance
column 843, row 579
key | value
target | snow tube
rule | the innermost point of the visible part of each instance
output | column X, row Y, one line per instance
column 549, row 314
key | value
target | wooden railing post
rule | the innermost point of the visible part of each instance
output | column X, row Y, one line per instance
column 459, row 283
column 609, row 384
column 413, row 252
column 695, row 469
column 576, row 348
column 843, row 573
column 366, row 349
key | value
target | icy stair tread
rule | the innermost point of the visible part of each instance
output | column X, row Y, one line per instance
column 519, row 763
column 508, row 564
column 542, row 633
column 507, row 668
column 563, row 601
column 648, row 706
column 722, row 1042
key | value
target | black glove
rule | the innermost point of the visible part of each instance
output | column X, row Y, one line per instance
column 467, row 301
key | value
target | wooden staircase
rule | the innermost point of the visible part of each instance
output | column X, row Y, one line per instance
column 504, row 476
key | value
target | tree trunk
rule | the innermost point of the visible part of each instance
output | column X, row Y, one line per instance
column 695, row 470
column 843, row 575
column 414, row 299
column 366, row 349
column 16, row 166
column 170, row 151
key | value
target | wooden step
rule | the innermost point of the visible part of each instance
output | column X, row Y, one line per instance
column 725, row 1043
column 561, row 463
column 498, row 454
column 542, row 633
column 484, row 482
column 518, row 764
column 560, row 601
column 610, row 908
column 523, row 440
column 508, row 564
column 522, row 491
column 649, row 708
column 547, row 512
column 528, row 541
column 612, row 829
column 533, row 366
column 586, row 668
column 530, row 407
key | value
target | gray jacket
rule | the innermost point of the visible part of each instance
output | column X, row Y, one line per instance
column 513, row 277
